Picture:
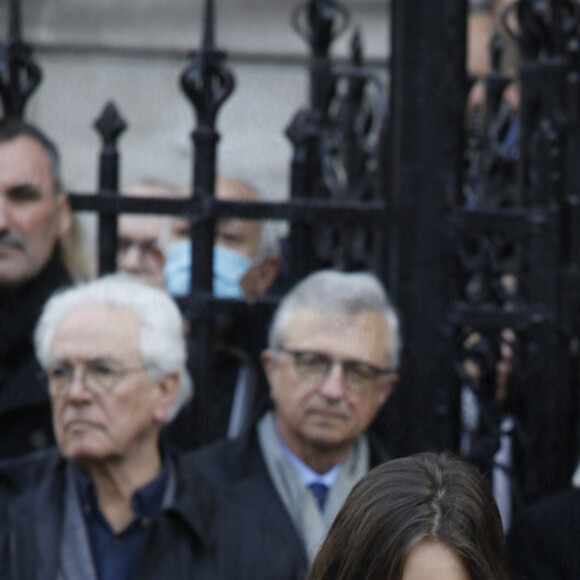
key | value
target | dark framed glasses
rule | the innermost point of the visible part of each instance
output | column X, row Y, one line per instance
column 313, row 367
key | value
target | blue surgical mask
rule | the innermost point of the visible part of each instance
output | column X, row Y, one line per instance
column 177, row 269
column 229, row 268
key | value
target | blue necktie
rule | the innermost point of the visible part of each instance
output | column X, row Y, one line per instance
column 319, row 490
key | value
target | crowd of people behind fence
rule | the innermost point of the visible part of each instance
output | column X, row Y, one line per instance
column 109, row 469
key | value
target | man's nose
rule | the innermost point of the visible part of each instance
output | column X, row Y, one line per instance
column 332, row 387
column 77, row 389
column 131, row 259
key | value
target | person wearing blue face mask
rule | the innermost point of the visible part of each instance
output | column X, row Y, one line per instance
column 246, row 261
column 246, row 256
column 229, row 268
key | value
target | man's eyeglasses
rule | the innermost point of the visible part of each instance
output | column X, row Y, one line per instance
column 313, row 367
column 97, row 377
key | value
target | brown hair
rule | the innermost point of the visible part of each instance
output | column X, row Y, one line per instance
column 428, row 496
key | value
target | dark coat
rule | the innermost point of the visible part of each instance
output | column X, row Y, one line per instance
column 198, row 537
column 236, row 545
column 25, row 416
column 205, row 419
column 238, row 467
column 544, row 542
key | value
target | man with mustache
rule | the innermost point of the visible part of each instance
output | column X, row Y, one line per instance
column 34, row 217
column 331, row 364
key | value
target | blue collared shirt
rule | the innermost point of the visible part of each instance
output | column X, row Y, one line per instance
column 307, row 474
column 116, row 554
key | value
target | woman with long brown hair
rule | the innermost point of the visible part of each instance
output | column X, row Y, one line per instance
column 428, row 516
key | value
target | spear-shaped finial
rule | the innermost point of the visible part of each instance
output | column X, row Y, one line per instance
column 14, row 28
column 19, row 74
column 319, row 22
column 207, row 82
column 356, row 48
column 208, row 32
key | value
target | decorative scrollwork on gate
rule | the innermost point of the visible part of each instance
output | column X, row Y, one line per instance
column 492, row 141
column 513, row 318
column 337, row 139
column 490, row 265
column 19, row 74
column 544, row 27
column 350, row 142
column 487, row 317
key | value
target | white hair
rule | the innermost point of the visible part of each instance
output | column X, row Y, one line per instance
column 269, row 241
column 270, row 231
column 338, row 295
column 161, row 341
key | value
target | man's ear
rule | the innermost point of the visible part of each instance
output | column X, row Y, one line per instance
column 268, row 270
column 388, row 386
column 268, row 358
column 168, row 388
column 261, row 276
column 64, row 215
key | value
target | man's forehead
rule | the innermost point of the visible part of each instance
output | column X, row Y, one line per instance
column 92, row 330
column 362, row 336
column 24, row 160
column 97, row 312
column 246, row 228
column 306, row 321
column 140, row 227
column 33, row 148
column 231, row 190
column 143, row 227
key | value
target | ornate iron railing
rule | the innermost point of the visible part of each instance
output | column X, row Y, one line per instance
column 470, row 217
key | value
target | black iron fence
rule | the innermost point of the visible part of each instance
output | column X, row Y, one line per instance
column 470, row 217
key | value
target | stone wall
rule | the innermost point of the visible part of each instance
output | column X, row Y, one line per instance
column 133, row 52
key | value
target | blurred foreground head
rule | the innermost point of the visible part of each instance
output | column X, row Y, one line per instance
column 428, row 516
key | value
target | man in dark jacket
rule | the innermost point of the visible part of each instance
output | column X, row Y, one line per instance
column 543, row 542
column 331, row 365
column 114, row 353
column 112, row 503
column 34, row 216
column 190, row 539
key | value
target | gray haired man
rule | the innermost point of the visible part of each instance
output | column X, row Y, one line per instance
column 331, row 364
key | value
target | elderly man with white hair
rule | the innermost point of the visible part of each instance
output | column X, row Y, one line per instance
column 115, row 358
